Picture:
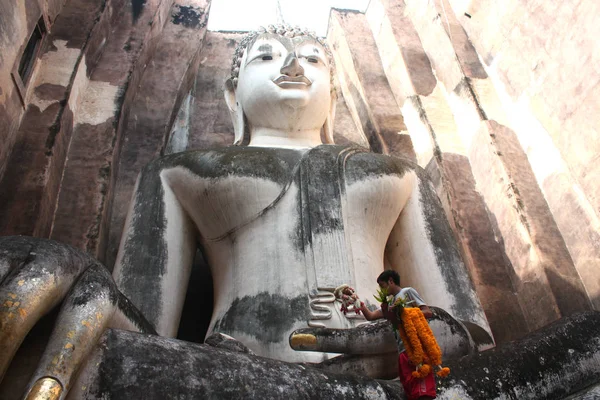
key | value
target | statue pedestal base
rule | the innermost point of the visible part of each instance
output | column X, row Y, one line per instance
column 129, row 365
column 552, row 363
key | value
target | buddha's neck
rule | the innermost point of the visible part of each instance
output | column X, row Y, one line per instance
column 267, row 137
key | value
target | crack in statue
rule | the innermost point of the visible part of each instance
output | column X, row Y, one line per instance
column 282, row 219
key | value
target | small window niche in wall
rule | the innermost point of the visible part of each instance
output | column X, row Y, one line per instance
column 25, row 65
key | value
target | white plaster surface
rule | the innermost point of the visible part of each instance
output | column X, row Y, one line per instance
column 55, row 68
column 372, row 208
column 58, row 65
column 443, row 121
column 98, row 103
column 346, row 71
column 419, row 132
column 180, row 237
column 80, row 84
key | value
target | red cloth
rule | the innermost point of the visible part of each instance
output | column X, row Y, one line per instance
column 414, row 387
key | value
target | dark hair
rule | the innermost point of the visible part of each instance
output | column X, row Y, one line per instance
column 387, row 274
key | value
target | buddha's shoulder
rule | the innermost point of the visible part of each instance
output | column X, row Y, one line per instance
column 259, row 162
column 364, row 164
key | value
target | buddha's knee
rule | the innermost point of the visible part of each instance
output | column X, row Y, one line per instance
column 84, row 316
column 37, row 275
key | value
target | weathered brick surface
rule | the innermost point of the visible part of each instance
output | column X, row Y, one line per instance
column 543, row 59
column 547, row 284
column 17, row 21
column 145, row 130
column 563, row 279
column 483, row 253
column 210, row 124
column 364, row 81
column 31, row 182
column 405, row 63
column 123, row 38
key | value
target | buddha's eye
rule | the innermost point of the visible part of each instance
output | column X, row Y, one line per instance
column 267, row 57
column 312, row 59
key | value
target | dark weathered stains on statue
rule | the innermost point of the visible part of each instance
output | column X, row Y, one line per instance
column 268, row 317
column 14, row 252
column 134, row 315
column 188, row 16
column 144, row 366
column 445, row 248
column 92, row 283
column 363, row 165
column 226, row 342
column 272, row 164
column 324, row 188
column 136, row 8
column 549, row 364
column 147, row 255
column 39, row 257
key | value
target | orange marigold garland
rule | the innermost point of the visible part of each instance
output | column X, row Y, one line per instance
column 419, row 341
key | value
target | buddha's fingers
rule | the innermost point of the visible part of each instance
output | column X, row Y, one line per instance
column 39, row 274
column 372, row 338
column 85, row 314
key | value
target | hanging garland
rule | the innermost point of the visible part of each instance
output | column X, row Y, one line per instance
column 420, row 344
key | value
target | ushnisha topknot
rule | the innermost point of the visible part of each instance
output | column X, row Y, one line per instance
column 283, row 30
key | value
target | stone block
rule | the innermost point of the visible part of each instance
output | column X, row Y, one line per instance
column 484, row 256
column 551, row 363
column 364, row 79
column 545, row 54
column 345, row 130
column 122, row 37
column 144, row 132
column 130, row 365
column 543, row 267
column 404, row 61
column 34, row 169
column 535, row 214
column 210, row 123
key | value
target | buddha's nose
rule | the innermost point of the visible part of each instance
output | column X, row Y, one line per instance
column 291, row 66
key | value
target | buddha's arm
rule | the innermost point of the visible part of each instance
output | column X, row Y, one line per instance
column 423, row 250
column 157, row 249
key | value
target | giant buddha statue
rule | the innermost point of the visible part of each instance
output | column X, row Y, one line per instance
column 285, row 219
column 282, row 217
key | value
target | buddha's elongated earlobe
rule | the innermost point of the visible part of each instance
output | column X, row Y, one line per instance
column 236, row 112
column 328, row 126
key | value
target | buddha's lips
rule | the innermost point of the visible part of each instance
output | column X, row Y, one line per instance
column 285, row 80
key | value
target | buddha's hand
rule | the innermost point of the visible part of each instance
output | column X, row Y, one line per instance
column 368, row 349
column 35, row 276
column 372, row 338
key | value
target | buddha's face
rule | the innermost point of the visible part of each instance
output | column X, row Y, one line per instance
column 284, row 83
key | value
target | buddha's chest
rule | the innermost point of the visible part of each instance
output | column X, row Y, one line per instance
column 322, row 191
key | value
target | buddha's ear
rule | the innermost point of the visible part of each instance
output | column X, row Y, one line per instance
column 235, row 112
column 328, row 126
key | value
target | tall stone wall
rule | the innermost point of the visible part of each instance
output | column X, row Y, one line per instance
column 495, row 100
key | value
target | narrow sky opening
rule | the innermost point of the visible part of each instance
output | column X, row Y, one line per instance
column 245, row 15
